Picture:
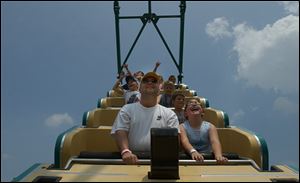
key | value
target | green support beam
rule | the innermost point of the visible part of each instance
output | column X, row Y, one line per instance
column 116, row 10
column 182, row 12
column 148, row 18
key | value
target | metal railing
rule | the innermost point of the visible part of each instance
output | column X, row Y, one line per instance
column 148, row 162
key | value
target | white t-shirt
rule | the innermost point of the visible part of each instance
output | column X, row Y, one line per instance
column 138, row 121
column 129, row 93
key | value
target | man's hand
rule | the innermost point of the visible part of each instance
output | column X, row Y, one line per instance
column 121, row 75
column 157, row 63
column 156, row 66
column 125, row 66
column 129, row 158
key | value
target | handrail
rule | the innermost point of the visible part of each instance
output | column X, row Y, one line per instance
column 148, row 162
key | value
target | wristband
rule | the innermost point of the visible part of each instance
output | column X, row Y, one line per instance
column 125, row 151
column 192, row 151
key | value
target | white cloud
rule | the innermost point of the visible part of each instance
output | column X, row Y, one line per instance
column 237, row 116
column 286, row 106
column 218, row 28
column 58, row 119
column 255, row 108
column 290, row 6
column 269, row 58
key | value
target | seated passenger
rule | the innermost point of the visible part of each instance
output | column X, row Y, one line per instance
column 132, row 95
column 138, row 76
column 133, row 123
column 173, row 79
column 125, row 86
column 178, row 103
column 198, row 136
column 166, row 97
column 118, row 88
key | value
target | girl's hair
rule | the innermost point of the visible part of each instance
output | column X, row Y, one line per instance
column 189, row 101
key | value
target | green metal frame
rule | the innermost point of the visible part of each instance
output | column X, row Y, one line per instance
column 25, row 173
column 85, row 118
column 263, row 149
column 58, row 145
column 226, row 120
column 151, row 17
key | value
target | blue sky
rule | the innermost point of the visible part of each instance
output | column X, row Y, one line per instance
column 59, row 58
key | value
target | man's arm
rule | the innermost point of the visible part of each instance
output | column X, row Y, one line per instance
column 122, row 142
column 128, row 71
column 116, row 85
column 156, row 66
column 118, row 82
column 122, row 139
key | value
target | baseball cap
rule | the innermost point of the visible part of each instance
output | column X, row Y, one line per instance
column 152, row 74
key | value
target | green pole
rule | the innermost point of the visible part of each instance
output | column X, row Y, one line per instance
column 135, row 41
column 116, row 10
column 182, row 12
column 149, row 8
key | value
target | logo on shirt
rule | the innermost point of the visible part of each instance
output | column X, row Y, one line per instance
column 158, row 117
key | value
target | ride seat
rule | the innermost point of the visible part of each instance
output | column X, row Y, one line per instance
column 120, row 102
column 106, row 117
column 76, row 140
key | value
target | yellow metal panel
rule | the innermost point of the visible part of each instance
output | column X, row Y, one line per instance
column 87, row 139
column 101, row 116
column 132, row 173
column 214, row 116
column 232, row 140
column 240, row 142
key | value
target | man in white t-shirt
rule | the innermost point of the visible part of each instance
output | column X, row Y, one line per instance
column 134, row 121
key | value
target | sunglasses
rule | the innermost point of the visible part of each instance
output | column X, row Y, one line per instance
column 149, row 80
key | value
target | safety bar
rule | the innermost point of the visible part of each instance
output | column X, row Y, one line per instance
column 148, row 162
